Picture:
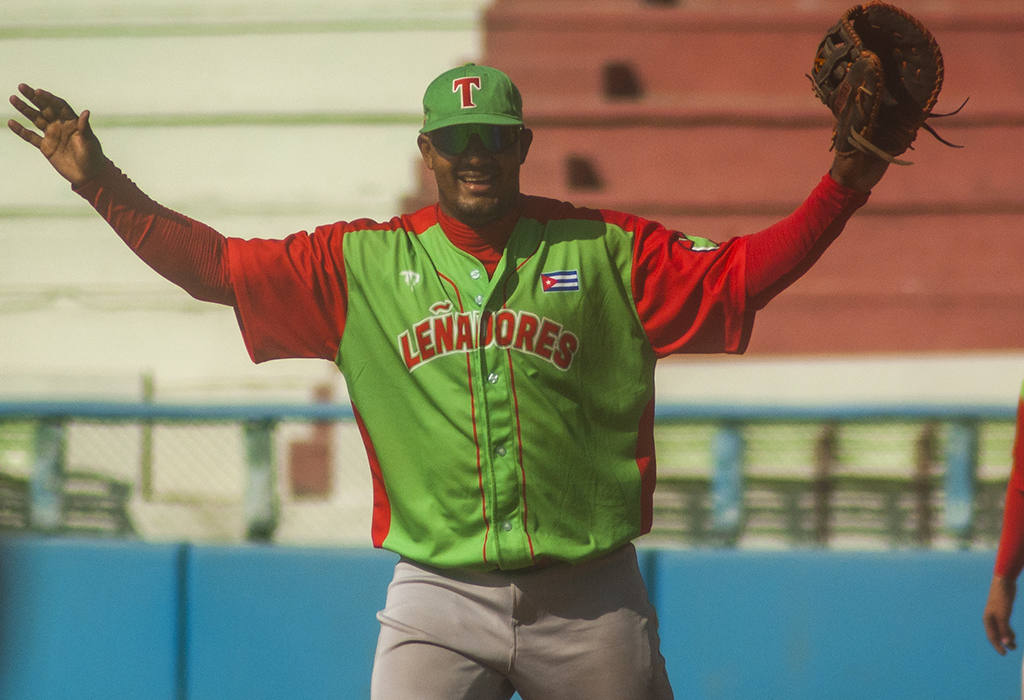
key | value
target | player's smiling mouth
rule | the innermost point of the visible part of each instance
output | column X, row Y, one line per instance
column 477, row 181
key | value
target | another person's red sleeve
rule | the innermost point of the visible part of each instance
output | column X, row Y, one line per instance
column 1010, row 555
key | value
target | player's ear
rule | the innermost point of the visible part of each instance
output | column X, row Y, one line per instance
column 426, row 150
column 525, row 139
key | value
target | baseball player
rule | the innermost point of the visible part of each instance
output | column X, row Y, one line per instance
column 1010, row 554
column 499, row 350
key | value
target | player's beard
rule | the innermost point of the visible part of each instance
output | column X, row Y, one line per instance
column 477, row 198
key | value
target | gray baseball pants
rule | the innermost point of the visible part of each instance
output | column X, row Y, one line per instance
column 585, row 631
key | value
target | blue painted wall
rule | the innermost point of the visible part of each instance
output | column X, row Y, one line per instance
column 283, row 623
column 81, row 619
column 827, row 625
column 88, row 620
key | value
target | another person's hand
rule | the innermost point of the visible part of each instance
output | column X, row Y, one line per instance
column 997, row 614
column 66, row 139
column 858, row 171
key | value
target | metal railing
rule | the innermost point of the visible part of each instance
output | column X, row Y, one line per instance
column 838, row 476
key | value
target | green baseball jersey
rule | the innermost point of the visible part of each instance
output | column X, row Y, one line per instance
column 508, row 418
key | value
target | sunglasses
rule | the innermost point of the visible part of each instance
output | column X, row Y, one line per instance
column 455, row 139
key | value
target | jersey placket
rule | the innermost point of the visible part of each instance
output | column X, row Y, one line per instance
column 508, row 545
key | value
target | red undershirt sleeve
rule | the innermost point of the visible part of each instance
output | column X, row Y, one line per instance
column 188, row 253
column 1010, row 555
column 782, row 253
column 289, row 295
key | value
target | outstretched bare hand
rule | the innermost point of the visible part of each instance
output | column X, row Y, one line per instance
column 67, row 140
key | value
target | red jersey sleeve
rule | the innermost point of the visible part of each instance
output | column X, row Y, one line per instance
column 1010, row 555
column 290, row 294
column 690, row 293
column 695, row 296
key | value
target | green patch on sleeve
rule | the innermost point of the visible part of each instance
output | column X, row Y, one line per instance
column 700, row 245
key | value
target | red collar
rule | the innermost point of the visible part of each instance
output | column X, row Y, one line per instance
column 486, row 243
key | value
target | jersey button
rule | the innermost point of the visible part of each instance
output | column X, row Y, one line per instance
column 475, row 274
column 492, row 378
column 479, row 299
column 501, row 451
column 506, row 526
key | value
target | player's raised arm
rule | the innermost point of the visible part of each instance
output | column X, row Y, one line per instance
column 65, row 138
column 188, row 253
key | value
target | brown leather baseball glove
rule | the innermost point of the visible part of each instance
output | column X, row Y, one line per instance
column 879, row 71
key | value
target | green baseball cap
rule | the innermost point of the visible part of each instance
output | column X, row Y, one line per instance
column 471, row 94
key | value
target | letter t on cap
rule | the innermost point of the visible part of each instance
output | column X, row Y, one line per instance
column 465, row 87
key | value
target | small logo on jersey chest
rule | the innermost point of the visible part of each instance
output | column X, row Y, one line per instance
column 411, row 277
column 561, row 281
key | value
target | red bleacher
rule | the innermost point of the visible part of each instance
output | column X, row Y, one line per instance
column 698, row 114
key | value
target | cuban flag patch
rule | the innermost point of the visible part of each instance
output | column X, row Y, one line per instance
column 561, row 281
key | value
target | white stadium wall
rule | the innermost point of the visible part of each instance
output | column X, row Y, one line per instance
column 260, row 119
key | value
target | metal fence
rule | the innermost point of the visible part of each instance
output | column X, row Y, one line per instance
column 842, row 477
